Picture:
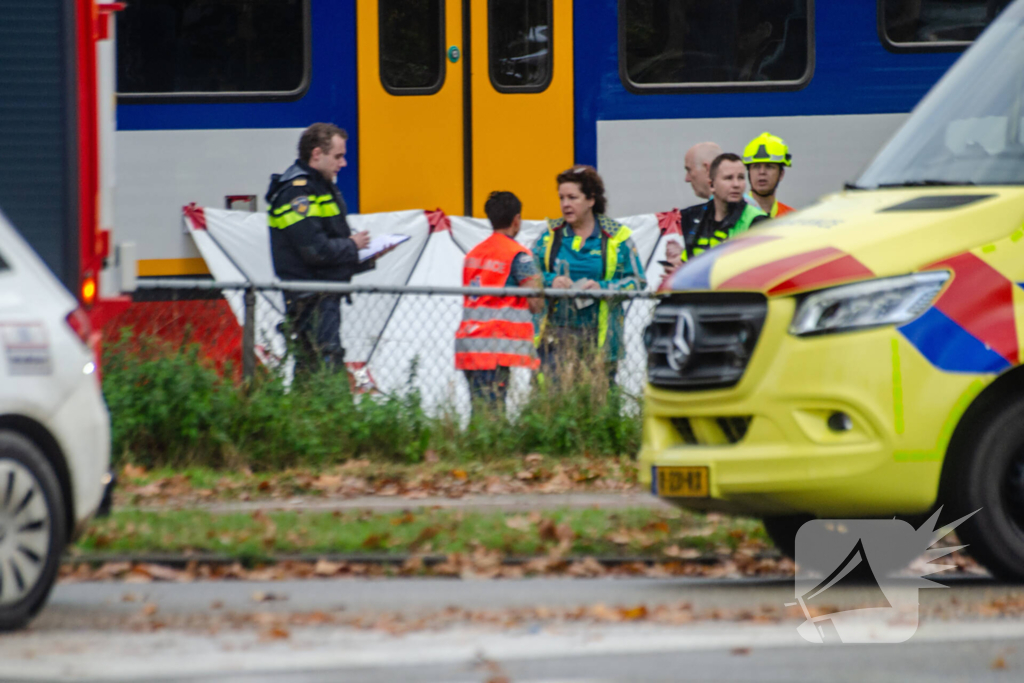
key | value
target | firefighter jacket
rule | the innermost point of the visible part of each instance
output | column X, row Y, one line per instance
column 701, row 232
column 778, row 208
column 495, row 330
column 609, row 257
column 309, row 233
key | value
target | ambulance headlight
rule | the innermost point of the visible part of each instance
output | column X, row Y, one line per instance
column 887, row 301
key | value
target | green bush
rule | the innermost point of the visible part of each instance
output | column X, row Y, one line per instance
column 171, row 407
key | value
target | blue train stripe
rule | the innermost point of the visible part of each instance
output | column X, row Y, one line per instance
column 949, row 347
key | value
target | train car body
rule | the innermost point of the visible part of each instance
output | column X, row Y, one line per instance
column 446, row 100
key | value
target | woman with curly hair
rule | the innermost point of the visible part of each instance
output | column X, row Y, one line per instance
column 587, row 250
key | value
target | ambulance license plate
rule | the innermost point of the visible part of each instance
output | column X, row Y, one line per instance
column 681, row 482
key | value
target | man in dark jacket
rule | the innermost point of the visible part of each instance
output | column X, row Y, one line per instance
column 310, row 240
column 726, row 215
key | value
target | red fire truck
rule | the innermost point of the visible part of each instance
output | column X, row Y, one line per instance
column 56, row 138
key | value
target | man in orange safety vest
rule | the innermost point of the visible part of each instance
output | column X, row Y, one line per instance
column 497, row 332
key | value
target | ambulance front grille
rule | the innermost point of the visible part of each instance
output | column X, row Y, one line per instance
column 703, row 341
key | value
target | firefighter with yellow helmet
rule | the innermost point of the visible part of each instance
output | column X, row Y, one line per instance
column 766, row 157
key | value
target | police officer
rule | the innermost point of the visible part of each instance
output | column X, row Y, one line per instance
column 310, row 240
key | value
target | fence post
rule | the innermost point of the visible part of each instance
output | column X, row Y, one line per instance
column 249, row 335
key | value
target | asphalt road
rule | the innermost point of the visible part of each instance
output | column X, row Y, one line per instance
column 246, row 631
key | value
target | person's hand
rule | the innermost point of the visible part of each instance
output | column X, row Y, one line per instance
column 362, row 239
column 562, row 282
column 589, row 284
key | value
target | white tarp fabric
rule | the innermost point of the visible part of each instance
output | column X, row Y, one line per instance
column 390, row 332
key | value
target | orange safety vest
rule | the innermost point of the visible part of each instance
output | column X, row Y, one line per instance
column 780, row 209
column 495, row 330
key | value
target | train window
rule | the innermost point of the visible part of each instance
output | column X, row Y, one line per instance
column 912, row 25
column 671, row 45
column 212, row 49
column 411, row 46
column 520, row 44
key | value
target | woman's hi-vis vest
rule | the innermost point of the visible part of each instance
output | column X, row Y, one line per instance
column 495, row 330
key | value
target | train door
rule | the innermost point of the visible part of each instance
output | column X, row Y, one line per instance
column 522, row 100
column 430, row 137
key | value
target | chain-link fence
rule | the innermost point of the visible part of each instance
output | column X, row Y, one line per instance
column 396, row 338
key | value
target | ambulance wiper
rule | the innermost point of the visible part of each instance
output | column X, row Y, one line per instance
column 927, row 183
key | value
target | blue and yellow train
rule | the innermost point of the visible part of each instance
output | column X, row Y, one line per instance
column 446, row 100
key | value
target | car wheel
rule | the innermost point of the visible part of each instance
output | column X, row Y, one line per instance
column 782, row 530
column 987, row 475
column 32, row 529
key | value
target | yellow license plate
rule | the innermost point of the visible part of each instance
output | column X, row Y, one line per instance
column 681, row 482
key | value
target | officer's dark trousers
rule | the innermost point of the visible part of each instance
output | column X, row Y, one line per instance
column 314, row 321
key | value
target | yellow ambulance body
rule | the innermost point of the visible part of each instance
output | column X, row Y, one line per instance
column 861, row 357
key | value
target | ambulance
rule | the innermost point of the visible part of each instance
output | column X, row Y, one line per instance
column 862, row 358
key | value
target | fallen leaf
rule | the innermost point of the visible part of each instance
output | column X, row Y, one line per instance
column 425, row 535
column 518, row 522
column 461, row 475
column 682, row 553
column 266, row 596
column 130, row 471
column 149, row 609
column 603, row 612
column 275, row 633
column 326, row 568
column 376, row 541
column 740, row 651
column 405, row 518
column 999, row 663
column 634, row 613
column 328, row 482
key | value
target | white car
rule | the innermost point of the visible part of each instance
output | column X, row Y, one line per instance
column 54, row 428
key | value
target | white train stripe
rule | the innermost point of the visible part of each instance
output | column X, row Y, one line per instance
column 642, row 161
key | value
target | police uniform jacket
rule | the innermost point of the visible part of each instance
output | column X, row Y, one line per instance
column 309, row 233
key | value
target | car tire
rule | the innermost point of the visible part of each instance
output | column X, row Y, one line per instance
column 782, row 530
column 33, row 529
column 986, row 474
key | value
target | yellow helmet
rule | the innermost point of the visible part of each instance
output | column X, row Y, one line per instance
column 767, row 149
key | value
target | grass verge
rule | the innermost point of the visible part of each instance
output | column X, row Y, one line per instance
column 628, row 532
column 441, row 478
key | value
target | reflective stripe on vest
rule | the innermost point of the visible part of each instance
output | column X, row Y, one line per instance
column 513, row 315
column 322, row 206
column 495, row 330
column 610, row 266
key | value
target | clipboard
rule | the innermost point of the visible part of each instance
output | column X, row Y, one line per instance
column 380, row 244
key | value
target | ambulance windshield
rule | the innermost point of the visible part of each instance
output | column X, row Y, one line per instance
column 969, row 130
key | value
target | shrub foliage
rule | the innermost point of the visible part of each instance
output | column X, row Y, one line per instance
column 170, row 407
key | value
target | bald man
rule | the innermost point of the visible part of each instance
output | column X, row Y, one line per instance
column 698, row 166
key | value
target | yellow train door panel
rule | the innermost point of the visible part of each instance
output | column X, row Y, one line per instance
column 410, row 74
column 522, row 100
